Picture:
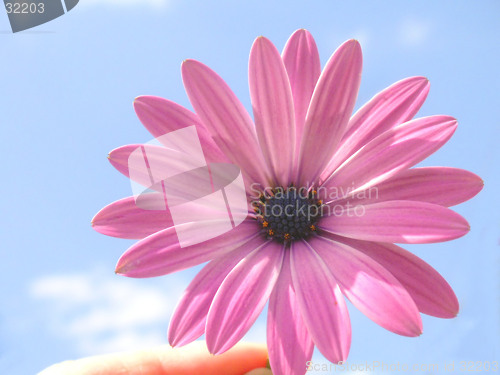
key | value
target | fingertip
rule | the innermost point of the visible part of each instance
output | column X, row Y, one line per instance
column 260, row 371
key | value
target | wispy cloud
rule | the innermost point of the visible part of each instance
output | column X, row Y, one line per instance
column 414, row 31
column 362, row 36
column 103, row 313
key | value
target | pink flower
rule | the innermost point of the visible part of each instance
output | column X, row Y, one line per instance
column 305, row 145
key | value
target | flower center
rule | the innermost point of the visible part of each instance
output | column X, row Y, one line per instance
column 288, row 214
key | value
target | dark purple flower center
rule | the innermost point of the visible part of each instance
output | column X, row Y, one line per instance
column 288, row 214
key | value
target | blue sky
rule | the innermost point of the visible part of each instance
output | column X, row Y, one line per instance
column 67, row 89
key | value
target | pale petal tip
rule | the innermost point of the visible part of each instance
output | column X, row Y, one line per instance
column 122, row 268
column 353, row 47
column 476, row 181
column 354, row 43
column 414, row 331
column 176, row 340
column 172, row 341
column 96, row 220
column 421, row 79
column 451, row 309
column 216, row 348
column 422, row 82
column 187, row 61
column 138, row 99
column 301, row 33
column 260, row 40
column 184, row 64
column 113, row 152
column 419, row 328
column 190, row 64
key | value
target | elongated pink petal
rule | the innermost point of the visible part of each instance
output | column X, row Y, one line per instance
column 225, row 118
column 273, row 110
column 172, row 175
column 161, row 116
column 392, row 106
column 321, row 302
column 396, row 221
column 290, row 345
column 130, row 160
column 395, row 150
column 124, row 219
column 242, row 296
column 119, row 158
column 301, row 58
column 439, row 185
column 370, row 287
column 189, row 318
column 161, row 253
column 430, row 291
column 331, row 106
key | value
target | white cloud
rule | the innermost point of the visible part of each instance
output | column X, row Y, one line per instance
column 414, row 32
column 363, row 37
column 104, row 313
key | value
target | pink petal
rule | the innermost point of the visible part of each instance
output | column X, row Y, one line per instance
column 290, row 345
column 370, row 287
column 161, row 254
column 303, row 66
column 119, row 158
column 164, row 159
column 397, row 149
column 129, row 160
column 321, row 303
column 225, row 118
column 124, row 219
column 161, row 116
column 396, row 221
column 189, row 318
column 439, row 185
column 391, row 107
column 273, row 110
column 430, row 291
column 242, row 296
column 150, row 165
column 331, row 106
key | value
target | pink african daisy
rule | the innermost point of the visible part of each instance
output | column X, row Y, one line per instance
column 304, row 150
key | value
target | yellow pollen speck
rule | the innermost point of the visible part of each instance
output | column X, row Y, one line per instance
column 312, row 227
column 271, row 232
column 265, row 224
column 320, row 202
column 286, row 236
